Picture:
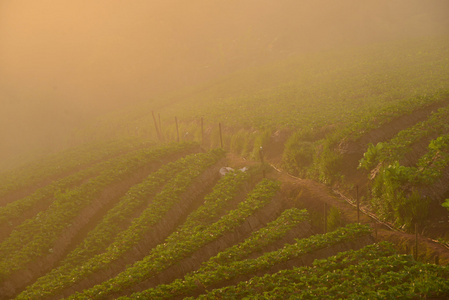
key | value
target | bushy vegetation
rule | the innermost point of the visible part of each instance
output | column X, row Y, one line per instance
column 396, row 188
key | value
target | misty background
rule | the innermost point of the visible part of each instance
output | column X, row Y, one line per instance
column 65, row 63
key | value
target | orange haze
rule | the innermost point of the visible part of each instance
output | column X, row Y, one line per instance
column 63, row 63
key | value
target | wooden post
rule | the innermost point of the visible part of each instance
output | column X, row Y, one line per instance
column 160, row 125
column 221, row 136
column 358, row 204
column 416, row 241
column 177, row 129
column 261, row 160
column 155, row 126
column 202, row 132
column 325, row 217
column 437, row 260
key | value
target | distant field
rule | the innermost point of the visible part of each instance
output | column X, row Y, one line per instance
column 338, row 89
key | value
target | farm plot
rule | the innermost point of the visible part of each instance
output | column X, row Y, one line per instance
column 40, row 241
column 182, row 231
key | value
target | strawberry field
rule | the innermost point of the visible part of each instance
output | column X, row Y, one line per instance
column 146, row 211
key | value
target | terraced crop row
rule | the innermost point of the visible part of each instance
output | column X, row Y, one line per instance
column 182, row 244
column 395, row 149
column 215, row 273
column 13, row 213
column 65, row 162
column 271, row 233
column 374, row 272
column 34, row 238
column 112, row 238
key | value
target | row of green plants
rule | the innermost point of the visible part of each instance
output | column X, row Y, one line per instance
column 233, row 269
column 63, row 162
column 139, row 197
column 396, row 190
column 259, row 285
column 396, row 148
column 212, row 209
column 374, row 272
column 185, row 241
column 315, row 152
column 34, row 237
column 45, row 195
column 267, row 235
column 263, row 237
